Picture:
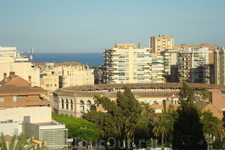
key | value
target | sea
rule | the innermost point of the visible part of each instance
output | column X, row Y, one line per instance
column 90, row 59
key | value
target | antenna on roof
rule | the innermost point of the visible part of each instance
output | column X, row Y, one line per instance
column 31, row 56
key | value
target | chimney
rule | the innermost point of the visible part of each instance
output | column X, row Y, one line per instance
column 5, row 77
column 12, row 75
column 29, row 78
column 139, row 45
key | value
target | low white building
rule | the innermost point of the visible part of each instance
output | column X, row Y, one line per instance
column 35, row 121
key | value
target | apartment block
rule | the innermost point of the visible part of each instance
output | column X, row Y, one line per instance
column 11, row 60
column 193, row 65
column 210, row 47
column 170, row 58
column 160, row 43
column 219, row 62
column 157, row 69
column 57, row 75
column 127, row 64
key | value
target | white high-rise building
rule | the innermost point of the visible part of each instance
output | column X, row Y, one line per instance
column 127, row 64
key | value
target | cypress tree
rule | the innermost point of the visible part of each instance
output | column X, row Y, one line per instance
column 188, row 130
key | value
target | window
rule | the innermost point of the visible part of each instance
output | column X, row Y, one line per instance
column 2, row 99
column 67, row 104
column 14, row 98
column 71, row 101
column 62, row 104
column 88, row 105
column 81, row 105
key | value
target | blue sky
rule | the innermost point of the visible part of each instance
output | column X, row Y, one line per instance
column 93, row 25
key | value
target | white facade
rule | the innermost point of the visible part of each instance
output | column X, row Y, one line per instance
column 35, row 121
column 72, row 106
column 127, row 65
column 157, row 69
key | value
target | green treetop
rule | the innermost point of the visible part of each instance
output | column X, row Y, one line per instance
column 188, row 130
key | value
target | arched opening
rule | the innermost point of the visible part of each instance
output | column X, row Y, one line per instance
column 88, row 105
column 62, row 104
column 67, row 104
column 81, row 105
column 71, row 103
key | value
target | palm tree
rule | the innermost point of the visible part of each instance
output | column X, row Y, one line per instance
column 212, row 126
column 19, row 143
column 163, row 126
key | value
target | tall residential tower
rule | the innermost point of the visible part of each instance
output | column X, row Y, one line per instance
column 127, row 64
column 160, row 43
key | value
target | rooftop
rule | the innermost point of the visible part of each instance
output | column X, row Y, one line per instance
column 139, row 89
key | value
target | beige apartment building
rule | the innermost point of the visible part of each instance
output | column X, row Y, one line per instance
column 170, row 58
column 157, row 69
column 12, row 60
column 160, row 43
column 219, row 62
column 127, row 64
column 57, row 75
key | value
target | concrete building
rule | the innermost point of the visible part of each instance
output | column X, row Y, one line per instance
column 193, row 65
column 210, row 47
column 35, row 121
column 219, row 63
column 161, row 43
column 17, row 92
column 73, row 101
column 127, row 64
column 157, row 69
column 57, row 75
column 12, row 60
column 170, row 58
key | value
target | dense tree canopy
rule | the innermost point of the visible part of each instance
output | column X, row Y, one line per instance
column 212, row 126
column 121, row 117
column 188, row 130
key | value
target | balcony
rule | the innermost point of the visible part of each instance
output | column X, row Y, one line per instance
column 159, row 77
column 146, row 66
column 115, row 53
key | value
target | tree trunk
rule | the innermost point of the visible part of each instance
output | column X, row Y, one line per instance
column 162, row 141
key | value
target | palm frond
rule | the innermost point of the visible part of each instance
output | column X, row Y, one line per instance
column 12, row 143
column 3, row 143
